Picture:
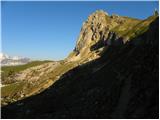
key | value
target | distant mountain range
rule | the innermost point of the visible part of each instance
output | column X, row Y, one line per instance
column 7, row 60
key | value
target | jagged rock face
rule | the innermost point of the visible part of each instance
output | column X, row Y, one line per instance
column 96, row 34
column 93, row 30
column 101, row 30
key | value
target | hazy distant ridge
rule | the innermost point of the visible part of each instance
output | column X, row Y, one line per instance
column 12, row 60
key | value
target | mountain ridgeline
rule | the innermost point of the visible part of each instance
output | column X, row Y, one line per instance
column 111, row 73
column 101, row 30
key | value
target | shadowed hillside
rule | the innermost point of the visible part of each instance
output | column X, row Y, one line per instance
column 122, row 83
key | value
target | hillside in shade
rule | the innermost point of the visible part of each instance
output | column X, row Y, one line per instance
column 112, row 73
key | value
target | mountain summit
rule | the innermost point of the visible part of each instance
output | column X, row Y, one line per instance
column 101, row 30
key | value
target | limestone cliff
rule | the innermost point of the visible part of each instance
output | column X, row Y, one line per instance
column 101, row 30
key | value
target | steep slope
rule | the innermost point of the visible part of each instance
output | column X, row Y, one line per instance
column 101, row 30
column 121, row 83
column 23, row 81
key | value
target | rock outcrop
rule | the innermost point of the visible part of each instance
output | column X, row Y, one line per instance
column 97, row 33
column 94, row 29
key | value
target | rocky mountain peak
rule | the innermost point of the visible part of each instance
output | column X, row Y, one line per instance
column 94, row 33
column 97, row 16
column 101, row 30
column 91, row 32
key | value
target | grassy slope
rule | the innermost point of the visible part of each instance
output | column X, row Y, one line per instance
column 139, row 28
column 126, row 26
column 11, row 92
column 6, row 69
column 131, row 28
column 13, row 88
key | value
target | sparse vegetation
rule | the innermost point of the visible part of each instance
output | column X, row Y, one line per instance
column 133, row 27
column 10, row 93
column 15, row 88
column 12, row 89
column 9, row 71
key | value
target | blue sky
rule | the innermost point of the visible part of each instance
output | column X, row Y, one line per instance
column 49, row 30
